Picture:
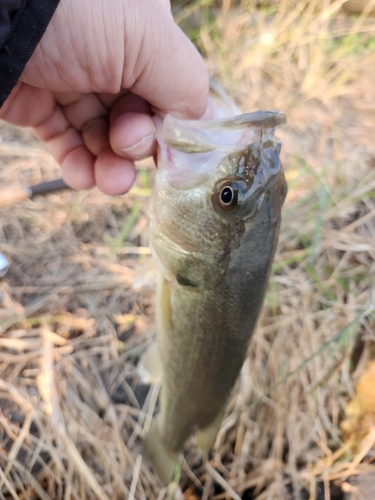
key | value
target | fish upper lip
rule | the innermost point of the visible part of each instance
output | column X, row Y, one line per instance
column 199, row 136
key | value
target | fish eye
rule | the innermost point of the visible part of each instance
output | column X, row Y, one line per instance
column 226, row 195
column 228, row 198
column 229, row 194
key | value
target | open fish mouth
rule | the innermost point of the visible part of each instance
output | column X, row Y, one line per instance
column 227, row 134
column 193, row 149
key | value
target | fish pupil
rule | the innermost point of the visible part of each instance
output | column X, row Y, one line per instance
column 227, row 195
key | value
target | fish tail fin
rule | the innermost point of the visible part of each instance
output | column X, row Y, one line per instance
column 205, row 438
column 163, row 460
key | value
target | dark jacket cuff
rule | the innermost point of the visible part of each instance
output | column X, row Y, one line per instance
column 27, row 25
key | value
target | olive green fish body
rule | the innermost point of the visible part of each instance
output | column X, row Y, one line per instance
column 213, row 231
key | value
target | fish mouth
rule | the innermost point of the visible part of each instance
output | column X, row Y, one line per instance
column 228, row 134
column 189, row 151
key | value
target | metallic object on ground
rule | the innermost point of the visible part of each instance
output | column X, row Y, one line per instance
column 4, row 265
column 11, row 197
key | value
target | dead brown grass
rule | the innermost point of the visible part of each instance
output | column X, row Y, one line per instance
column 72, row 328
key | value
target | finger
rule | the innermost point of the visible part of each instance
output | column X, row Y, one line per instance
column 78, row 169
column 37, row 108
column 114, row 175
column 88, row 115
column 85, row 108
column 166, row 4
column 66, row 145
column 66, row 98
column 108, row 100
column 161, row 64
column 133, row 136
column 132, row 132
column 27, row 106
column 77, row 163
column 129, row 103
column 55, row 125
column 95, row 134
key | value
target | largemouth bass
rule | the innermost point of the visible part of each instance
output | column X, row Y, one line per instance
column 214, row 222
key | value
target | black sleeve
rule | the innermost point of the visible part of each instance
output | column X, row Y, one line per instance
column 22, row 25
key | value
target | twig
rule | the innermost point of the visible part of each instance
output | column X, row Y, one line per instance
column 339, row 336
column 220, row 480
column 137, row 468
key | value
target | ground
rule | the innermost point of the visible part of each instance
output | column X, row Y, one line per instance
column 301, row 421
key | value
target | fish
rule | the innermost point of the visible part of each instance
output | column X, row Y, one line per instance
column 215, row 212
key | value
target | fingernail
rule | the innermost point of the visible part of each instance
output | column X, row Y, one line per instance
column 142, row 148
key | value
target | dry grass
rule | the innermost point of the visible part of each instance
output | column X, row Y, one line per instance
column 72, row 328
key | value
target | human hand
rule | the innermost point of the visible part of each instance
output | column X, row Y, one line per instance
column 100, row 71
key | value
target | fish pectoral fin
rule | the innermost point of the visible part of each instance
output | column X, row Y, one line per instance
column 205, row 438
column 147, row 275
column 150, row 368
column 163, row 460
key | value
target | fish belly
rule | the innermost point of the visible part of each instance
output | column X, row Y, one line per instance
column 202, row 338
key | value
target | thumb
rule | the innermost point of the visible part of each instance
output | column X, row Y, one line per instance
column 161, row 64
